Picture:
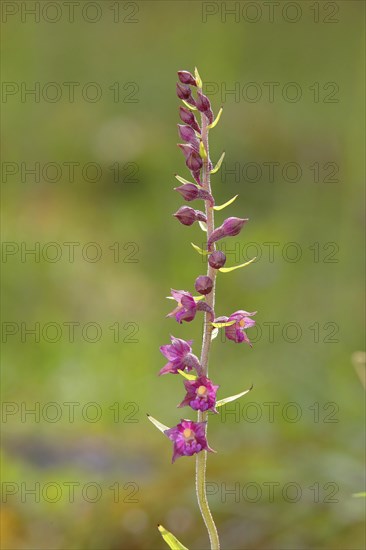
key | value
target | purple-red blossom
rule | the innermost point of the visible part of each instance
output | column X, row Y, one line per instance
column 186, row 133
column 186, row 306
column 184, row 91
column 187, row 78
column 203, row 284
column 217, row 259
column 201, row 394
column 204, row 106
column 190, row 192
column 188, row 117
column 179, row 355
column 187, row 215
column 202, row 102
column 230, row 228
column 194, row 162
column 193, row 158
column 236, row 331
column 189, row 438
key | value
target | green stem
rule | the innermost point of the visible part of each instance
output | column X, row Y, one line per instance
column 201, row 458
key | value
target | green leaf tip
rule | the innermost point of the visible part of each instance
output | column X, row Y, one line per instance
column 222, row 402
column 198, row 78
column 203, row 153
column 200, row 250
column 187, row 376
column 221, row 325
column 170, row 539
column 218, row 165
column 157, row 424
column 189, row 106
column 222, row 206
column 215, row 122
column 228, row 269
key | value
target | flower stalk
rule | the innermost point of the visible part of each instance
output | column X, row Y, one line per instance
column 190, row 437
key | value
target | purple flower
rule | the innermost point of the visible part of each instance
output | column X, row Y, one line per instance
column 230, row 228
column 188, row 117
column 202, row 102
column 194, row 162
column 236, row 332
column 187, row 215
column 203, row 284
column 217, row 259
column 179, row 355
column 186, row 78
column 186, row 308
column 190, row 192
column 201, row 394
column 193, row 158
column 189, row 438
column 204, row 106
column 184, row 93
column 186, row 133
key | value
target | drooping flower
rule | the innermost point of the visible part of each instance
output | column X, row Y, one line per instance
column 201, row 394
column 187, row 215
column 236, row 331
column 183, row 91
column 203, row 284
column 204, row 106
column 230, row 228
column 217, row 259
column 189, row 438
column 186, row 133
column 179, row 355
column 190, row 192
column 187, row 78
column 193, row 159
column 188, row 117
column 186, row 306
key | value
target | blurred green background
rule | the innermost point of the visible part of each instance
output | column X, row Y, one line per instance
column 117, row 463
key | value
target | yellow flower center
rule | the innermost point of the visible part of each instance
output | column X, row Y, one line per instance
column 242, row 323
column 201, row 390
column 187, row 433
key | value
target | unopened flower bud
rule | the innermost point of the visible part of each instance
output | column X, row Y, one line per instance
column 187, row 149
column 186, row 133
column 230, row 228
column 188, row 117
column 190, row 192
column 202, row 102
column 186, row 78
column 183, row 91
column 194, row 162
column 187, row 215
column 203, row 284
column 217, row 259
